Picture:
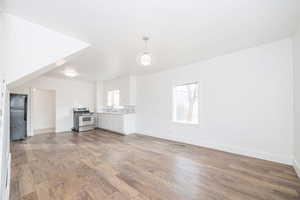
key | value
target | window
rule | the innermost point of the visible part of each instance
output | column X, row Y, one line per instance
column 185, row 103
column 113, row 98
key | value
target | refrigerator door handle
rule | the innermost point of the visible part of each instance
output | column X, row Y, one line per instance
column 25, row 109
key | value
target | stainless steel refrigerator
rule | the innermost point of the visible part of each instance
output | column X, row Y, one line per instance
column 18, row 116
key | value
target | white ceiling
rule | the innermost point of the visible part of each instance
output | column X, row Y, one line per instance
column 181, row 32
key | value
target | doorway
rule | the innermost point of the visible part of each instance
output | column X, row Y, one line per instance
column 43, row 111
column 18, row 116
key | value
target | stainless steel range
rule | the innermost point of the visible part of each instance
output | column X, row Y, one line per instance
column 83, row 120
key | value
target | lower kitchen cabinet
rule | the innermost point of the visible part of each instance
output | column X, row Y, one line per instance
column 120, row 123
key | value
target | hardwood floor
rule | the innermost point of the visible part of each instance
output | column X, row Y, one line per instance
column 101, row 165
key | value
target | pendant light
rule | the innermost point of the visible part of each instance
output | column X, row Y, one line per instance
column 145, row 59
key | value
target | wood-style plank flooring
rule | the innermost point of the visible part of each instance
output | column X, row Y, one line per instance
column 101, row 165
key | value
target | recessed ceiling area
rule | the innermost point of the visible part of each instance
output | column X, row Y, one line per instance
column 181, row 32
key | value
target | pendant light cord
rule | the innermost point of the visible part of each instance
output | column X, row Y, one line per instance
column 146, row 39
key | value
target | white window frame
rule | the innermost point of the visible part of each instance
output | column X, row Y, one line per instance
column 113, row 98
column 174, row 103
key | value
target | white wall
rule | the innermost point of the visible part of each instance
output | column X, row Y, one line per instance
column 99, row 96
column 27, row 47
column 43, row 110
column 296, row 56
column 132, row 90
column 127, row 87
column 69, row 94
column 2, row 40
column 246, row 103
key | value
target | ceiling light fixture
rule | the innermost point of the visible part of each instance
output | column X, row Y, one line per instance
column 60, row 62
column 70, row 73
column 145, row 58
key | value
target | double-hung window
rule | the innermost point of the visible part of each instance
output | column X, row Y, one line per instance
column 186, row 103
column 113, row 98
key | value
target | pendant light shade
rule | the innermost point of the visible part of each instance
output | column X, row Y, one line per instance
column 146, row 59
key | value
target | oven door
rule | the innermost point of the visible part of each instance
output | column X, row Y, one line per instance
column 86, row 120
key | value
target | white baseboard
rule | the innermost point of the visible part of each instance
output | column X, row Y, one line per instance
column 297, row 167
column 250, row 153
column 44, row 130
column 233, row 149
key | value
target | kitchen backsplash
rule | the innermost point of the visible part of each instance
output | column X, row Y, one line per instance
column 120, row 109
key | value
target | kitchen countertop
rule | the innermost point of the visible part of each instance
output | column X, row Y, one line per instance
column 115, row 113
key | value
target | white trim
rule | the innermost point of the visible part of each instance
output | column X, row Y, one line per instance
column 251, row 153
column 297, row 167
column 44, row 130
column 234, row 149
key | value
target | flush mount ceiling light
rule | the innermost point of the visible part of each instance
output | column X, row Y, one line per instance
column 70, row 73
column 145, row 58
